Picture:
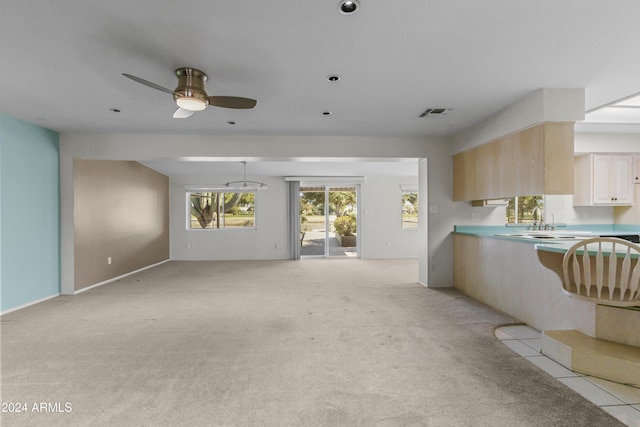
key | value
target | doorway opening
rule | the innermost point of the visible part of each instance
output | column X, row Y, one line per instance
column 329, row 221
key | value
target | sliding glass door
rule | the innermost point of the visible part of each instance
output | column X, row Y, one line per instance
column 342, row 221
column 313, row 227
column 328, row 220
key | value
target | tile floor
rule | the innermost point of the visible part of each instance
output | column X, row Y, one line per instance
column 621, row 401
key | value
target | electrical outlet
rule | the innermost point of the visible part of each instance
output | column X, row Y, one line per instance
column 475, row 216
column 109, row 260
column 433, row 209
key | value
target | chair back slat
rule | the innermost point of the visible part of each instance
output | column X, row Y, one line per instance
column 613, row 264
column 616, row 279
column 634, row 288
column 599, row 269
column 586, row 269
column 624, row 274
column 576, row 273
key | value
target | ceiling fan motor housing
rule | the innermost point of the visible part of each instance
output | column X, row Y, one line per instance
column 191, row 85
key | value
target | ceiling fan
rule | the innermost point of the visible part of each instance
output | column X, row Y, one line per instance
column 190, row 95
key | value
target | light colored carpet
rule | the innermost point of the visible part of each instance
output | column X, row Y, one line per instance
column 322, row 342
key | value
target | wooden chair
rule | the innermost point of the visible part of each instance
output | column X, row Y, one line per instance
column 604, row 270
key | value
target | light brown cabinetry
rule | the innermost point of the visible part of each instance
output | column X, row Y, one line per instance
column 603, row 180
column 464, row 173
column 537, row 160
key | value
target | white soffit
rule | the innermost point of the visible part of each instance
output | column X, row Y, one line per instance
column 625, row 111
column 542, row 105
column 353, row 179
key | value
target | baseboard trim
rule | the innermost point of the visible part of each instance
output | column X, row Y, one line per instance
column 113, row 279
column 20, row 307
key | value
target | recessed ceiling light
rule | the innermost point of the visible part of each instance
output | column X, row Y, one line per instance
column 326, row 113
column 231, row 122
column 114, row 110
column 348, row 7
column 333, row 78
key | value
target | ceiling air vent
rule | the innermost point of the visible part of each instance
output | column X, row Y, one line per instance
column 435, row 112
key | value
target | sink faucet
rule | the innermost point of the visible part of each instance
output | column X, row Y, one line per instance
column 536, row 217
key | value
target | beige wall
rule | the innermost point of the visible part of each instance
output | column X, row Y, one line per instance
column 142, row 147
column 121, row 211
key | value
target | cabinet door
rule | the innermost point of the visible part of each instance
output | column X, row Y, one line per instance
column 636, row 168
column 622, row 177
column 488, row 170
column 602, row 182
column 464, row 176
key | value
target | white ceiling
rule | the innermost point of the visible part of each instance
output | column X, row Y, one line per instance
column 62, row 62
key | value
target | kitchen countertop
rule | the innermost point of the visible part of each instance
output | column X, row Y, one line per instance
column 553, row 245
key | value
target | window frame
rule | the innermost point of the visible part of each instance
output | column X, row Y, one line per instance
column 203, row 189
column 409, row 190
column 541, row 203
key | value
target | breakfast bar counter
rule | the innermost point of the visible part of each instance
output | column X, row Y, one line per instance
column 511, row 271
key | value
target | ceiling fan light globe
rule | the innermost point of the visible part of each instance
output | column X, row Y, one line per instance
column 191, row 104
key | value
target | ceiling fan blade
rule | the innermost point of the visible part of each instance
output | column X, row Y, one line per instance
column 148, row 83
column 232, row 102
column 181, row 113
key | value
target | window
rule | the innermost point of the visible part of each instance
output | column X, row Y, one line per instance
column 214, row 209
column 409, row 208
column 522, row 209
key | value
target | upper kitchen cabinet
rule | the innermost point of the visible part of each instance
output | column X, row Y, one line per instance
column 536, row 160
column 603, row 180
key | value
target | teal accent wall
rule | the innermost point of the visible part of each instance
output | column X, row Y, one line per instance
column 29, row 213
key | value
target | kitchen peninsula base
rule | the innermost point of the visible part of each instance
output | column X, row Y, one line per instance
column 508, row 275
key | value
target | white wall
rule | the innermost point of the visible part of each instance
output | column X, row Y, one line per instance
column 614, row 142
column 565, row 213
column 438, row 249
column 607, row 142
column 380, row 231
column 268, row 240
column 542, row 105
column 382, row 235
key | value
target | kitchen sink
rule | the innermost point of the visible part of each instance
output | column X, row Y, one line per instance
column 559, row 235
column 546, row 235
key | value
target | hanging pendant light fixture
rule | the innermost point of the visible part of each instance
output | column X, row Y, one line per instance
column 245, row 184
